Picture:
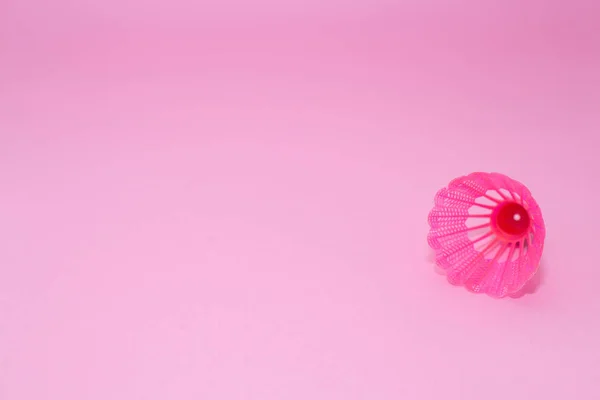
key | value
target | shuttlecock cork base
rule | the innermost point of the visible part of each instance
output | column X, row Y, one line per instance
column 488, row 233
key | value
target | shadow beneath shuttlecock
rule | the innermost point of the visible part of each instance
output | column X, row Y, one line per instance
column 534, row 283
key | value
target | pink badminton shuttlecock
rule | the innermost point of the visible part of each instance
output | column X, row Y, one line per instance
column 488, row 233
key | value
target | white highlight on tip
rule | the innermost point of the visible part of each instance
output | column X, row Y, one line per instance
column 517, row 217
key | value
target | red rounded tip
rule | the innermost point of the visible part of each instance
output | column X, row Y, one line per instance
column 512, row 219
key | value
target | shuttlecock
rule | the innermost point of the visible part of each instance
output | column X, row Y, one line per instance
column 488, row 233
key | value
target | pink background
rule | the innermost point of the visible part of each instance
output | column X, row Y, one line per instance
column 228, row 200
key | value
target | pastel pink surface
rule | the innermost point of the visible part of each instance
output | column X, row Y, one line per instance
column 229, row 200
